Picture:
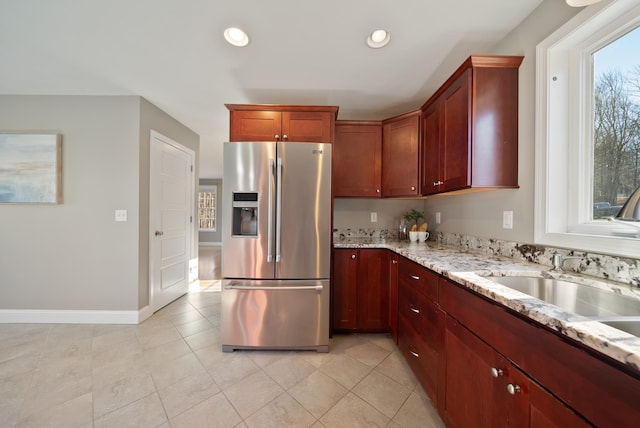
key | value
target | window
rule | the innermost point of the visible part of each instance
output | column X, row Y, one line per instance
column 616, row 124
column 588, row 129
column 208, row 197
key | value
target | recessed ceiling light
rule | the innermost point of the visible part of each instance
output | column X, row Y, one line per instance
column 378, row 39
column 236, row 37
column 581, row 3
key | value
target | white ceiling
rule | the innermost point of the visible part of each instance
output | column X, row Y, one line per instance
column 302, row 52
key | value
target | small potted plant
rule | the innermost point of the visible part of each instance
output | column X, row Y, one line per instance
column 413, row 216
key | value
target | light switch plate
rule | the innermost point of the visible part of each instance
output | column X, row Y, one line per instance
column 438, row 218
column 507, row 219
column 374, row 217
column 121, row 215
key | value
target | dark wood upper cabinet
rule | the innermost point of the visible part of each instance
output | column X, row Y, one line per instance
column 357, row 157
column 470, row 128
column 400, row 155
column 253, row 122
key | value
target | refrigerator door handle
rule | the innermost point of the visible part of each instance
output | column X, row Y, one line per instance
column 278, row 208
column 272, row 173
column 258, row 288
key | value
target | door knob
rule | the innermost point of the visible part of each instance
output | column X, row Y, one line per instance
column 159, row 233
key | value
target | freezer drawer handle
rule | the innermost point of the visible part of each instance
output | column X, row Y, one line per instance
column 249, row 287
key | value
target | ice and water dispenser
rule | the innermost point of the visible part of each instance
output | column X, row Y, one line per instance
column 245, row 214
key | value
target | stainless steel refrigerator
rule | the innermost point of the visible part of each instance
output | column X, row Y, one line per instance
column 276, row 245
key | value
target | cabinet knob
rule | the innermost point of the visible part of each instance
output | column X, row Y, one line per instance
column 284, row 137
column 353, row 256
column 395, row 262
column 413, row 187
column 513, row 389
column 377, row 190
column 438, row 183
column 277, row 137
column 496, row 372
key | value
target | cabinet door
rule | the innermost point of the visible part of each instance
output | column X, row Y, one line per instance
column 472, row 397
column 255, row 125
column 345, row 280
column 357, row 157
column 431, row 149
column 400, row 157
column 373, row 290
column 307, row 126
column 393, row 296
column 530, row 406
column 455, row 137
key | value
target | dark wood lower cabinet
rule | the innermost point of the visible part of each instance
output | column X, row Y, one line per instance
column 361, row 290
column 393, row 296
column 420, row 323
column 480, row 364
column 483, row 389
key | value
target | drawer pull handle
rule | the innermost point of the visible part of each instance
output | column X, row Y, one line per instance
column 513, row 389
column 496, row 372
column 417, row 278
column 414, row 309
column 415, row 354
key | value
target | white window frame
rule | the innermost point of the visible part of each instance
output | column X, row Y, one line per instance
column 564, row 128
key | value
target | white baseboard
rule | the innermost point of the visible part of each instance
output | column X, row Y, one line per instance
column 45, row 316
column 210, row 244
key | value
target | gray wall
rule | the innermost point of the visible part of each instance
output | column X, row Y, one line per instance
column 74, row 256
column 207, row 237
column 356, row 213
column 480, row 214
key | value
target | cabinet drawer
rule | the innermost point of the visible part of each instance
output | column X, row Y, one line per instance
column 422, row 314
column 421, row 358
column 415, row 277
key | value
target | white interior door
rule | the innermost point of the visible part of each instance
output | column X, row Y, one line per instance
column 171, row 216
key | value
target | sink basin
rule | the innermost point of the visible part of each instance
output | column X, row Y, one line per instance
column 573, row 297
column 630, row 326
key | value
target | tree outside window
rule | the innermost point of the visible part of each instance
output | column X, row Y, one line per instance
column 616, row 149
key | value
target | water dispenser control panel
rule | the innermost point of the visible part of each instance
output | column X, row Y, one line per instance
column 245, row 214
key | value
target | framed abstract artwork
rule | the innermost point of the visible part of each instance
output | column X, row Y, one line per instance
column 30, row 168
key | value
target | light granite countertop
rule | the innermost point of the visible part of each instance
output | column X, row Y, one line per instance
column 470, row 268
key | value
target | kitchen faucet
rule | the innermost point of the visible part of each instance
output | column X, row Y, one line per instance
column 558, row 261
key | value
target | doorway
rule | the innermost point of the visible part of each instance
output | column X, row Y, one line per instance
column 171, row 231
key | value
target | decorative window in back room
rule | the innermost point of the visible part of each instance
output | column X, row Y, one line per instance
column 588, row 130
column 207, row 199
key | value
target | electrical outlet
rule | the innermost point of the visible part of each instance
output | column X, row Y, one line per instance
column 438, row 218
column 121, row 215
column 374, row 217
column 507, row 219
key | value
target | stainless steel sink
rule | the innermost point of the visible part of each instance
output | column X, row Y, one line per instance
column 631, row 326
column 580, row 299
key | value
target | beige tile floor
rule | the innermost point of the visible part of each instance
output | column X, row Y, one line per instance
column 170, row 372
